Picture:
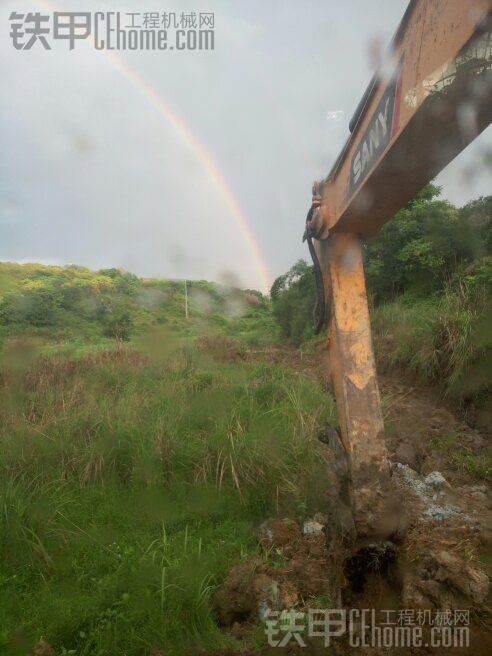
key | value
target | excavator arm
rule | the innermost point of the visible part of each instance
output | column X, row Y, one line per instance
column 431, row 98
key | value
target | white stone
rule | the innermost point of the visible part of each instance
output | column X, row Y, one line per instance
column 312, row 527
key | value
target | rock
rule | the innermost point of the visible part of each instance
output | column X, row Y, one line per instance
column 480, row 495
column 440, row 513
column 436, row 480
column 479, row 585
column 442, row 580
column 428, row 490
column 312, row 526
column 472, row 582
column 329, row 435
column 321, row 518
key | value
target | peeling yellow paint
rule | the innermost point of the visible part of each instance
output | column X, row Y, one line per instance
column 362, row 370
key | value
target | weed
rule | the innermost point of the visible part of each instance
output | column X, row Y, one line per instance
column 130, row 484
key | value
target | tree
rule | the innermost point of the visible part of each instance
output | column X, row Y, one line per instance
column 420, row 248
column 125, row 282
column 478, row 215
column 293, row 298
column 36, row 305
column 118, row 324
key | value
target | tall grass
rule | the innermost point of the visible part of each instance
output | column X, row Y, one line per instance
column 445, row 339
column 130, row 482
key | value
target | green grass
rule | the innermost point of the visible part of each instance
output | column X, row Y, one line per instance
column 131, row 479
column 444, row 340
column 475, row 465
column 132, row 475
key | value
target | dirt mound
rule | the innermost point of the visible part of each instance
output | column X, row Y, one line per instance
column 445, row 538
column 435, row 568
column 292, row 571
column 437, row 561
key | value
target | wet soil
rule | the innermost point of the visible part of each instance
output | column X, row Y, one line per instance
column 439, row 561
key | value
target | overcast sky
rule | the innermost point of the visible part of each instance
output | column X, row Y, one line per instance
column 94, row 171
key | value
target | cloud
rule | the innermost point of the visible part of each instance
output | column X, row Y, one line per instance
column 91, row 173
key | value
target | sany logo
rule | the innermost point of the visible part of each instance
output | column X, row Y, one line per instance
column 378, row 132
column 370, row 146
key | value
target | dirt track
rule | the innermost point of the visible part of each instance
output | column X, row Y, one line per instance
column 416, row 419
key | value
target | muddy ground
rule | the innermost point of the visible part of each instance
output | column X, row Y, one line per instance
column 434, row 566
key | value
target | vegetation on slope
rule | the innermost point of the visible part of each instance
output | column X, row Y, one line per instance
column 73, row 303
column 429, row 277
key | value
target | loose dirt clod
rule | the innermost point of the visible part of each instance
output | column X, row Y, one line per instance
column 42, row 648
column 277, row 533
column 293, row 570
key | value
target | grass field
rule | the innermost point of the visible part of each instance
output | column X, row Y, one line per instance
column 132, row 478
column 140, row 450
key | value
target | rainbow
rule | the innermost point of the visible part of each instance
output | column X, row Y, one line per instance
column 196, row 147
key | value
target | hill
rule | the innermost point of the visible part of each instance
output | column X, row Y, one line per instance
column 73, row 303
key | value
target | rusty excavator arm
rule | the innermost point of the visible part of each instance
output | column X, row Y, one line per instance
column 432, row 98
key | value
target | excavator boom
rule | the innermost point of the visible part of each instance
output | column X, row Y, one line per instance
column 430, row 99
